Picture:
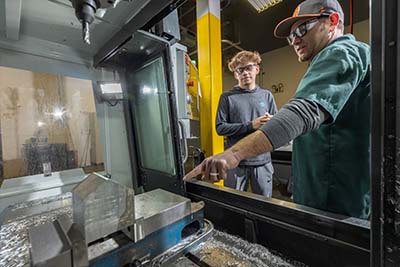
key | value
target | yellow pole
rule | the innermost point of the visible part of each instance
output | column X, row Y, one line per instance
column 210, row 72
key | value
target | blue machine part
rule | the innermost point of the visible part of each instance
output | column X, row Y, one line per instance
column 151, row 246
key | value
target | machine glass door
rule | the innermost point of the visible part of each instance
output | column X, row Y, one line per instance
column 151, row 111
column 154, row 123
column 143, row 68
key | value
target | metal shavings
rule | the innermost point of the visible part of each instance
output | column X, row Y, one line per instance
column 42, row 201
column 14, row 240
column 226, row 250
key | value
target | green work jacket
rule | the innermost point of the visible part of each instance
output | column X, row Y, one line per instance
column 331, row 165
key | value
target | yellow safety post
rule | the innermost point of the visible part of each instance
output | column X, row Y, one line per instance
column 210, row 73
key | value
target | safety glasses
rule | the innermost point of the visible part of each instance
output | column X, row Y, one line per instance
column 240, row 70
column 302, row 29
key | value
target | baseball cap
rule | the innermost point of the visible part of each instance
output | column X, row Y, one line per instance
column 308, row 9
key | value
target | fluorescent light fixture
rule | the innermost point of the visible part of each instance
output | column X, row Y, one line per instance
column 111, row 88
column 261, row 5
column 110, row 91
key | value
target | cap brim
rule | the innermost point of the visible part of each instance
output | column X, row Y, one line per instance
column 282, row 30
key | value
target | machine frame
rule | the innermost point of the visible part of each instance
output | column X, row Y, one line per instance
column 385, row 194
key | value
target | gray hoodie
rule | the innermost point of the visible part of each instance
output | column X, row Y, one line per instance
column 237, row 109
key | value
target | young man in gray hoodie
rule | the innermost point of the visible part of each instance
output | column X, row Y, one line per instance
column 241, row 111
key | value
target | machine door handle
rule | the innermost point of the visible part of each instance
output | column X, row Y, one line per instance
column 183, row 139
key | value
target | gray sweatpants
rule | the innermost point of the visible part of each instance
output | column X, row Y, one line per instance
column 260, row 178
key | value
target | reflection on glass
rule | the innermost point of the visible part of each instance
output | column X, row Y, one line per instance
column 151, row 115
column 47, row 124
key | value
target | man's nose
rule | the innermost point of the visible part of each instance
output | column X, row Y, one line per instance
column 296, row 40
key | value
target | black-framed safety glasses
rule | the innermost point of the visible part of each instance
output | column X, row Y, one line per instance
column 248, row 68
column 303, row 28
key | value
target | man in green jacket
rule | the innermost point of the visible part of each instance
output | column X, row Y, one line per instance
column 328, row 118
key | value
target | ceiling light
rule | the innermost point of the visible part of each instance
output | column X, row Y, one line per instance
column 261, row 5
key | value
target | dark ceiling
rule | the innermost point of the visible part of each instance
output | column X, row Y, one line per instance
column 244, row 26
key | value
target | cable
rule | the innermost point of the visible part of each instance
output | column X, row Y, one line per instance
column 112, row 104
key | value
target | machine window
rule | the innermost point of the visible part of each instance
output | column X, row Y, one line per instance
column 47, row 124
column 151, row 117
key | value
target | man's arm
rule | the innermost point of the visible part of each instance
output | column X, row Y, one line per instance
column 297, row 117
column 216, row 167
column 246, row 147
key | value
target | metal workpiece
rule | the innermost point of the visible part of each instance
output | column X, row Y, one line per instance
column 34, row 207
column 16, row 220
column 157, row 209
column 57, row 243
column 102, row 207
column 50, row 245
column 77, row 241
column 14, row 241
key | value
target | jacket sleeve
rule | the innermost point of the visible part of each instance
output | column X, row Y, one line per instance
column 226, row 128
column 297, row 117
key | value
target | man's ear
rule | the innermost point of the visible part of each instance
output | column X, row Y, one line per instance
column 236, row 75
column 334, row 19
column 257, row 69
